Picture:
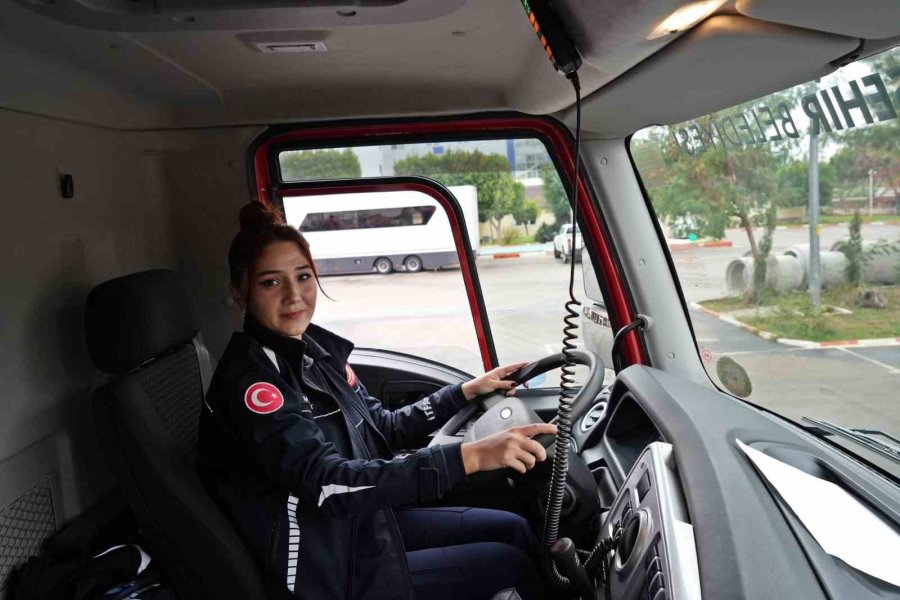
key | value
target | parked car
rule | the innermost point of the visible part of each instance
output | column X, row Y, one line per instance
column 562, row 244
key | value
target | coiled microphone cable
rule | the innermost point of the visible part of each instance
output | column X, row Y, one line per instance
column 556, row 495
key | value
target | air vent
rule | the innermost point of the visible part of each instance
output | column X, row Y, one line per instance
column 292, row 42
column 593, row 416
column 277, row 47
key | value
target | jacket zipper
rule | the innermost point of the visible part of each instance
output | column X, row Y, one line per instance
column 273, row 544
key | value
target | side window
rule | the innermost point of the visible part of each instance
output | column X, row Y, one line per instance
column 405, row 216
column 389, row 267
column 514, row 206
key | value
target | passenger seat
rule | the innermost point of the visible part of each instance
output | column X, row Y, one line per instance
column 141, row 328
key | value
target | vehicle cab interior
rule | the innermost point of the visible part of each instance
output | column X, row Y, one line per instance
column 694, row 457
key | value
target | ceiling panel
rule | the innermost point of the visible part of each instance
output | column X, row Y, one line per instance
column 867, row 19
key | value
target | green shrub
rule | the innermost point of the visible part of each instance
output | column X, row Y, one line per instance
column 508, row 236
column 545, row 233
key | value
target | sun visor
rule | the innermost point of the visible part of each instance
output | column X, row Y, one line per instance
column 723, row 61
column 238, row 15
column 868, row 19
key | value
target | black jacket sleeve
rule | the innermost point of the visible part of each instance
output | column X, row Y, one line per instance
column 291, row 448
column 407, row 427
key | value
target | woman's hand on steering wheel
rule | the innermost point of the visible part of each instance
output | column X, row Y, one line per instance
column 492, row 381
column 512, row 448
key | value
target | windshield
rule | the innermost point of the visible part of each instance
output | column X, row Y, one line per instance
column 745, row 195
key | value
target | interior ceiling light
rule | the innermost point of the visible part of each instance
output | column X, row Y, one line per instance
column 686, row 17
column 281, row 47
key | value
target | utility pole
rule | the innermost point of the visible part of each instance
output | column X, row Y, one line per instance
column 815, row 279
column 871, row 190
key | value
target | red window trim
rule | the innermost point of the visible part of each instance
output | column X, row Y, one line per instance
column 561, row 144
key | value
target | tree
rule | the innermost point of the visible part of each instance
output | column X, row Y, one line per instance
column 525, row 213
column 304, row 165
column 761, row 256
column 555, row 194
column 793, row 183
column 498, row 193
column 854, row 251
column 719, row 186
column 875, row 146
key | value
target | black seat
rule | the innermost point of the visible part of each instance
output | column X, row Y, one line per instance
column 142, row 329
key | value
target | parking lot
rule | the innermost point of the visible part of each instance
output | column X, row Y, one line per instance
column 427, row 314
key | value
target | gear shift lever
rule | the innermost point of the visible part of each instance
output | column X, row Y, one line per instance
column 563, row 554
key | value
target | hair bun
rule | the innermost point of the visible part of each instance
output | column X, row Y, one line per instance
column 255, row 215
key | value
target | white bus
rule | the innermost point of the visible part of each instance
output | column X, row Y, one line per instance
column 381, row 231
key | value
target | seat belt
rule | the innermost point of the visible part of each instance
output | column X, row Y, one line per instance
column 205, row 361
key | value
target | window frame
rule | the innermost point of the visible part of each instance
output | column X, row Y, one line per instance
column 445, row 198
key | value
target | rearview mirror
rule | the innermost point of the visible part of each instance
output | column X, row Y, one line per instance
column 595, row 326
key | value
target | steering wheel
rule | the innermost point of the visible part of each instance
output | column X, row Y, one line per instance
column 502, row 412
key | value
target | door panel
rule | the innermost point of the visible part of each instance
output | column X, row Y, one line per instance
column 398, row 379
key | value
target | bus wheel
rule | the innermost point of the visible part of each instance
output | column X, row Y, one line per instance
column 413, row 264
column 384, row 265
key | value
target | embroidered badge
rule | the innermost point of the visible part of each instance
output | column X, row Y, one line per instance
column 263, row 398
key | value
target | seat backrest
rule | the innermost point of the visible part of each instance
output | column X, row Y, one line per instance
column 141, row 328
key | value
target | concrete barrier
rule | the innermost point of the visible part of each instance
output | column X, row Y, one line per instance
column 783, row 274
column 801, row 253
column 883, row 267
column 832, row 265
column 739, row 275
column 834, row 269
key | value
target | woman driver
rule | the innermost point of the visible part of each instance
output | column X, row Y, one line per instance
column 300, row 456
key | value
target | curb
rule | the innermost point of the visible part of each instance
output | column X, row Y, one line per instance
column 768, row 335
column 502, row 255
column 806, row 225
column 707, row 244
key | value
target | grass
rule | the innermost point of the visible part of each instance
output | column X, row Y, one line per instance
column 832, row 219
column 838, row 219
column 517, row 240
column 726, row 304
column 793, row 319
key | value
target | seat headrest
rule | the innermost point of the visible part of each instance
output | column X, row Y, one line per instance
column 134, row 318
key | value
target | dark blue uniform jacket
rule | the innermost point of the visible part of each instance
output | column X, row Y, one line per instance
column 302, row 459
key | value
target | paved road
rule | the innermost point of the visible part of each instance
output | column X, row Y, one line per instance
column 427, row 314
column 855, row 387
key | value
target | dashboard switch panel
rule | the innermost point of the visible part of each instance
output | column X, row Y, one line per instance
column 656, row 557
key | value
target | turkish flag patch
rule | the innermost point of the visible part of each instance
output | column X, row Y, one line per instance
column 263, row 398
column 351, row 376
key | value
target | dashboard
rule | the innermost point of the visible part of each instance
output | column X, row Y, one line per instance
column 698, row 518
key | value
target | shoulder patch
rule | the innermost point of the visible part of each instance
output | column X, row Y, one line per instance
column 263, row 398
column 351, row 376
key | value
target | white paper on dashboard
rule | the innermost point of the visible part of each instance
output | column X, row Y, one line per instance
column 842, row 525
